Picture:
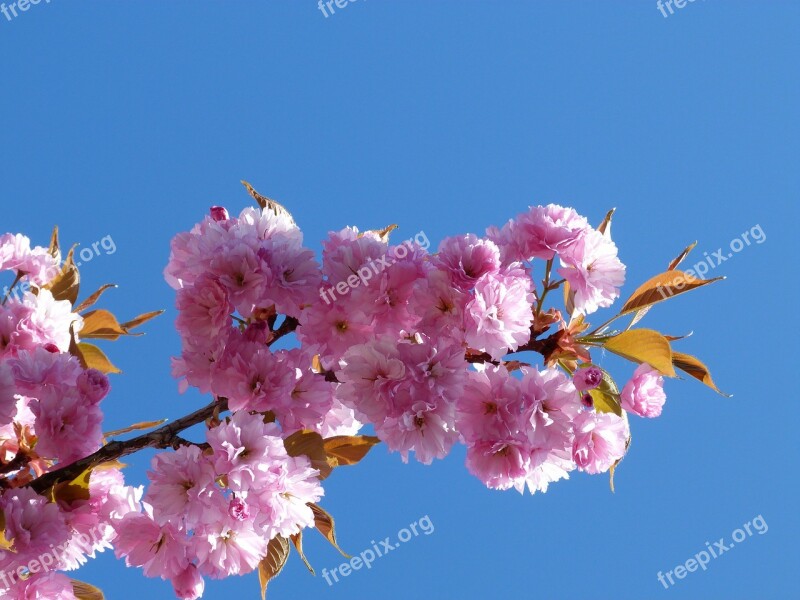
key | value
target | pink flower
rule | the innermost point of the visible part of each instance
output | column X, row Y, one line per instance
column 43, row 586
column 240, row 270
column 644, row 393
column 541, row 232
column 93, row 385
column 67, row 426
column 346, row 251
column 251, row 376
column 498, row 319
column 204, row 309
column 36, row 263
column 440, row 306
column 159, row 550
column 467, row 258
column 498, row 464
column 41, row 319
column 593, row 271
column 244, row 449
column 31, row 521
column 181, row 486
column 189, row 584
column 600, row 440
column 339, row 420
column 282, row 496
column 333, row 328
column 587, row 378
column 8, row 391
column 229, row 547
column 296, row 276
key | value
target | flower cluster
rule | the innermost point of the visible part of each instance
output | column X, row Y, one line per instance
column 50, row 416
column 420, row 346
column 213, row 512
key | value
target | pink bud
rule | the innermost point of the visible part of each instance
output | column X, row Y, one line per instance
column 238, row 509
column 587, row 378
column 93, row 385
column 189, row 584
column 52, row 348
column 219, row 213
column 587, row 400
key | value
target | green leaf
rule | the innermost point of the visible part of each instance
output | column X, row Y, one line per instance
column 643, row 346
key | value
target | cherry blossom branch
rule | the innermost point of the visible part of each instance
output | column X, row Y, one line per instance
column 161, row 438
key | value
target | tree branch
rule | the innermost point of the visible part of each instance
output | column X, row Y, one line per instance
column 161, row 438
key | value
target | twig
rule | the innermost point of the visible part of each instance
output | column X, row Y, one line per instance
column 161, row 438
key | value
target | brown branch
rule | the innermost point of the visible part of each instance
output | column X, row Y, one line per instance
column 161, row 438
column 288, row 326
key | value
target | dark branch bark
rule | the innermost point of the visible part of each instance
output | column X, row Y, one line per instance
column 288, row 326
column 161, row 438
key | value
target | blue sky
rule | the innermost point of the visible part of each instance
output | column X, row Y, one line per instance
column 129, row 119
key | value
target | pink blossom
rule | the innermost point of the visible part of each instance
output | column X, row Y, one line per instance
column 251, row 376
column 93, row 385
column 346, row 251
column 43, row 586
column 593, row 271
column 16, row 254
column 181, row 485
column 333, row 328
column 160, row 550
column 31, row 521
column 498, row 319
column 67, row 426
column 240, row 270
column 244, row 449
column 41, row 319
column 600, row 440
column 439, row 306
column 467, row 258
column 8, row 392
column 498, row 464
column 339, row 420
column 644, row 393
column 189, row 584
column 228, row 547
column 204, row 309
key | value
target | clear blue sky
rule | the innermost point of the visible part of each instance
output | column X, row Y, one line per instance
column 130, row 118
